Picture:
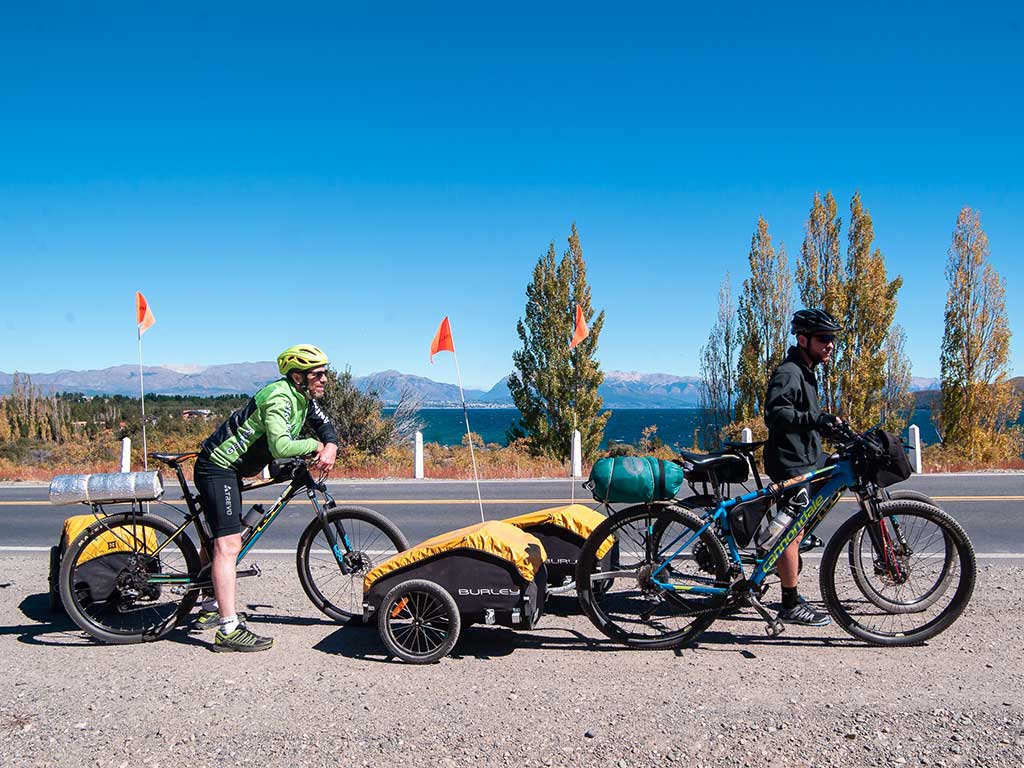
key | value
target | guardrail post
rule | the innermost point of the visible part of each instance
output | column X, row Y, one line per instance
column 576, row 454
column 915, row 447
column 746, row 436
column 126, row 454
column 417, row 471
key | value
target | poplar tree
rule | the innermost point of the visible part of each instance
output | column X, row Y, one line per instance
column 820, row 278
column 765, row 307
column 897, row 399
column 869, row 298
column 718, row 370
column 978, row 404
column 552, row 386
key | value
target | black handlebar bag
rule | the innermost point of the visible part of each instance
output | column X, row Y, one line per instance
column 891, row 465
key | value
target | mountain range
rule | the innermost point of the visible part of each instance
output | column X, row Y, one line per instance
column 621, row 389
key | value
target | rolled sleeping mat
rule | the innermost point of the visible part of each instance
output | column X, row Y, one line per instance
column 108, row 488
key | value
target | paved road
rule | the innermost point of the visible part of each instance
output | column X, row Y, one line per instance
column 991, row 508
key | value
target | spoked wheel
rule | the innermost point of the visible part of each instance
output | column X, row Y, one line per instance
column 419, row 621
column 124, row 579
column 668, row 585
column 372, row 539
column 900, row 589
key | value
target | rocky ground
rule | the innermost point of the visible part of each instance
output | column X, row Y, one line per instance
column 559, row 695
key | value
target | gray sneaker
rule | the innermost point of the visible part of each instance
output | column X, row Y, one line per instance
column 241, row 639
column 802, row 613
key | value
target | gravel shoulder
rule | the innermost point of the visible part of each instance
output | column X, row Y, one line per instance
column 559, row 695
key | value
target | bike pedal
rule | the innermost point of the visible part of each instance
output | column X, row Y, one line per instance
column 774, row 628
column 253, row 570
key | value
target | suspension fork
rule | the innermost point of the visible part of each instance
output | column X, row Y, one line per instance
column 336, row 536
column 881, row 540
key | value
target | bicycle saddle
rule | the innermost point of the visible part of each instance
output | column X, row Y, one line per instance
column 173, row 458
column 725, row 466
column 733, row 445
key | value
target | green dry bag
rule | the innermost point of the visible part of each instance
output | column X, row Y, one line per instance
column 635, row 479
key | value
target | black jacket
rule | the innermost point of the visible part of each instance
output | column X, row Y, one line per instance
column 791, row 413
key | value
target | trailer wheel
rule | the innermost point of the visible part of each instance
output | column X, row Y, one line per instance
column 419, row 621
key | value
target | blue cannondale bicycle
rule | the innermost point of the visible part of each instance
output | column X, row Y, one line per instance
column 898, row 572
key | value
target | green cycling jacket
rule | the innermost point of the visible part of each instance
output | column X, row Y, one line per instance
column 266, row 428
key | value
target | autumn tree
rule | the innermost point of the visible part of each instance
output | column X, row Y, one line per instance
column 978, row 404
column 869, row 300
column 820, row 279
column 764, row 312
column 718, row 370
column 897, row 399
column 554, row 387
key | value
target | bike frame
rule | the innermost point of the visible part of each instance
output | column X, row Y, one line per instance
column 337, row 541
column 836, row 479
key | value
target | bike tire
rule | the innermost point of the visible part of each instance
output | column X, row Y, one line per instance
column 930, row 532
column 372, row 539
column 419, row 621
column 135, row 610
column 633, row 610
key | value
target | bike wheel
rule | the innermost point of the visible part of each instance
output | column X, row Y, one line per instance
column 371, row 539
column 932, row 587
column 419, row 621
column 655, row 599
column 124, row 579
column 865, row 569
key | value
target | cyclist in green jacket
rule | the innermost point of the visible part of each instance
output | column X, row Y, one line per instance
column 265, row 428
column 795, row 420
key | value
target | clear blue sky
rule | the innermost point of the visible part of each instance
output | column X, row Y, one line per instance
column 268, row 174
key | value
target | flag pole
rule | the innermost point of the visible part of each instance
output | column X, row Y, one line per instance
column 469, row 434
column 142, row 400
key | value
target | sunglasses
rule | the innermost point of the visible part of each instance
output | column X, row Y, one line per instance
column 316, row 374
column 825, row 338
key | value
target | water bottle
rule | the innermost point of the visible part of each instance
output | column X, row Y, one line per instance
column 771, row 528
column 252, row 517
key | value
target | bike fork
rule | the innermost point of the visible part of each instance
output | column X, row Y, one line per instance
column 340, row 546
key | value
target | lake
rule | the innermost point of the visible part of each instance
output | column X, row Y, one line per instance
column 675, row 425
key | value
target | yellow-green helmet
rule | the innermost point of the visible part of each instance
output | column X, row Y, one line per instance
column 301, row 357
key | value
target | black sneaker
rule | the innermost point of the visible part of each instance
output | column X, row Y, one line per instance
column 241, row 639
column 802, row 613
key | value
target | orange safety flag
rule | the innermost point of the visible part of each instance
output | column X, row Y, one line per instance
column 442, row 339
column 143, row 314
column 581, row 331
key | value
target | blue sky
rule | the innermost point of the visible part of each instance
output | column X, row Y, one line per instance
column 268, row 174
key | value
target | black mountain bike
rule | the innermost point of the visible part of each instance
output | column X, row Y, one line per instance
column 160, row 575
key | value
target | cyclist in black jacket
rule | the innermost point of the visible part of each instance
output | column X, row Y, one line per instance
column 795, row 421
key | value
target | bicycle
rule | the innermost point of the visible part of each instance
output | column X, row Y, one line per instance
column 677, row 571
column 156, row 586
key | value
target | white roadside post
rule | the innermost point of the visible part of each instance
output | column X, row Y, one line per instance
column 266, row 472
column 746, row 436
column 126, row 454
column 576, row 454
column 417, row 471
column 915, row 447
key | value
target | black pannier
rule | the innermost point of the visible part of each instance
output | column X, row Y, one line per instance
column 890, row 465
column 745, row 518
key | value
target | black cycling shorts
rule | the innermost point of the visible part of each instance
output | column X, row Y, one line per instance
column 221, row 492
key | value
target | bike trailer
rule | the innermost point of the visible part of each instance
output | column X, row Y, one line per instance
column 634, row 479
column 100, row 562
column 490, row 573
column 562, row 531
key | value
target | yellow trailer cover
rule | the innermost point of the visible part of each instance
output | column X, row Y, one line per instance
column 575, row 518
column 494, row 537
column 120, row 539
